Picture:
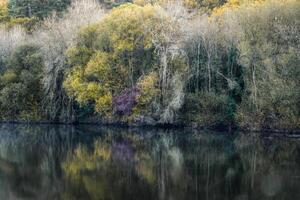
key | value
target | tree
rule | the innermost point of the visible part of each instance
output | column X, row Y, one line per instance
column 3, row 11
column 54, row 37
column 269, row 52
column 35, row 8
column 111, row 56
column 20, row 89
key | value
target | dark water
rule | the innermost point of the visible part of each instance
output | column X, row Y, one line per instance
column 88, row 162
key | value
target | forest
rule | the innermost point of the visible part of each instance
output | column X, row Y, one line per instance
column 202, row 63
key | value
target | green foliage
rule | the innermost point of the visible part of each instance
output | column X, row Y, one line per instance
column 28, row 13
column 28, row 23
column 204, row 5
column 271, row 64
column 210, row 4
column 163, row 61
column 109, row 4
column 148, row 92
column 7, row 21
column 255, row 66
column 35, row 8
column 110, row 56
column 208, row 108
column 20, row 88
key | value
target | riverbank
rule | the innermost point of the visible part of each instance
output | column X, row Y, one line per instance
column 192, row 126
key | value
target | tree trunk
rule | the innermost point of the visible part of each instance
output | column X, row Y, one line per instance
column 209, row 72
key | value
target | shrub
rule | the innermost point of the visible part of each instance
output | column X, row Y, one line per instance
column 208, row 109
column 124, row 103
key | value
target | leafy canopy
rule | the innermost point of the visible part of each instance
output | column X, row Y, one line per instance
column 35, row 8
column 111, row 56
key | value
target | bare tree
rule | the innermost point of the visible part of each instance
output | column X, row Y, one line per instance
column 57, row 35
column 203, row 33
column 10, row 40
column 168, row 38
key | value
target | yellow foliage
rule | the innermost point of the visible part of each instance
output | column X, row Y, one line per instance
column 28, row 23
column 148, row 88
column 8, row 77
column 3, row 11
column 3, row 2
column 82, row 91
column 9, row 22
column 93, row 90
column 78, row 56
column 85, row 92
column 140, row 2
column 244, row 4
column 231, row 4
column 124, row 26
column 98, row 67
column 90, row 91
column 104, row 104
column 148, row 82
column 190, row 3
column 106, row 56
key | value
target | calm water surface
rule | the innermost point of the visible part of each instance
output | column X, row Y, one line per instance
column 93, row 163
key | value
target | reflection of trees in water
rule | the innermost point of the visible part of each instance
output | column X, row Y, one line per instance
column 109, row 169
column 63, row 162
column 171, row 165
column 213, row 166
column 29, row 160
column 271, row 166
column 122, row 166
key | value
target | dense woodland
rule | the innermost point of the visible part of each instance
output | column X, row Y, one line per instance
column 202, row 62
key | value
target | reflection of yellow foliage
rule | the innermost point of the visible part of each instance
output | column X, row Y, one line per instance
column 146, row 167
column 82, row 159
column 101, row 151
column 99, row 159
column 95, row 187
column 73, row 164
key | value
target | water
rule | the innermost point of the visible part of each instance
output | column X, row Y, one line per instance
column 89, row 162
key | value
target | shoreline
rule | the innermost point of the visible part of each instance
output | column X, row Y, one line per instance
column 158, row 125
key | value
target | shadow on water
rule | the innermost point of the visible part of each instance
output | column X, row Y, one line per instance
column 89, row 162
